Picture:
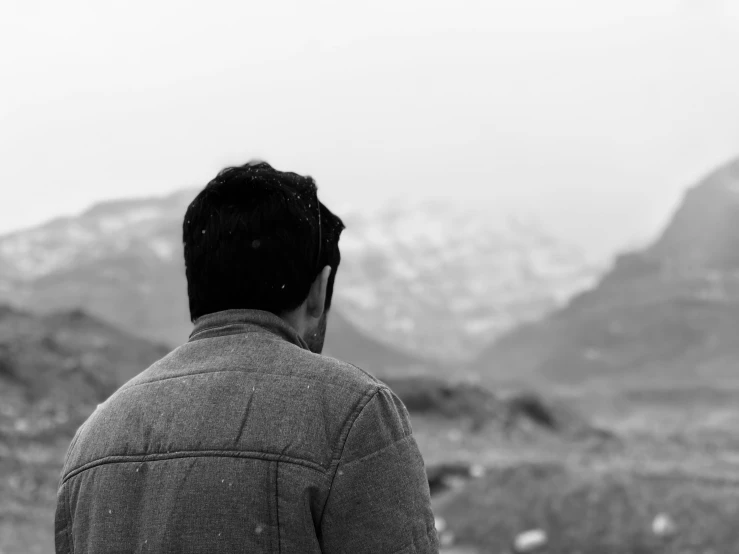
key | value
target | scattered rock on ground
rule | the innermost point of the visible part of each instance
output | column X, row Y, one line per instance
column 530, row 541
column 663, row 526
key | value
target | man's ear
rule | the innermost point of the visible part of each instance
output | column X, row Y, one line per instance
column 317, row 294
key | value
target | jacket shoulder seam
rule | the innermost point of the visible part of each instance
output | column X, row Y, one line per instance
column 364, row 458
column 205, row 372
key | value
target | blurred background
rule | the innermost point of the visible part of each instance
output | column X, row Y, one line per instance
column 541, row 255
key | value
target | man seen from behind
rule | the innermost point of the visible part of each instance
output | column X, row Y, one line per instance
column 246, row 438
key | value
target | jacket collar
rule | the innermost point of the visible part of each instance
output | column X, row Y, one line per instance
column 230, row 322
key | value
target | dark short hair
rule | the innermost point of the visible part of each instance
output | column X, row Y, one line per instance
column 251, row 241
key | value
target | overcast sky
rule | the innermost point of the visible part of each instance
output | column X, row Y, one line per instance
column 593, row 115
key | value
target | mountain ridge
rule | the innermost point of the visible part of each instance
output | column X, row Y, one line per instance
column 671, row 309
column 432, row 280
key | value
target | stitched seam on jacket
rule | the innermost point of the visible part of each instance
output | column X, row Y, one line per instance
column 344, row 436
column 380, row 451
column 257, row 372
column 132, row 458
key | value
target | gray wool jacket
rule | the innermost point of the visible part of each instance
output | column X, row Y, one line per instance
column 242, row 440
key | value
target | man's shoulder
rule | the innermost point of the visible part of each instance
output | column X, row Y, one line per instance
column 281, row 363
column 274, row 357
column 340, row 373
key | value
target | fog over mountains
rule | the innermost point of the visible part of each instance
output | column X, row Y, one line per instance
column 426, row 279
column 426, row 282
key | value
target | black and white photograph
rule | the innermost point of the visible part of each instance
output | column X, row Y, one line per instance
column 389, row 277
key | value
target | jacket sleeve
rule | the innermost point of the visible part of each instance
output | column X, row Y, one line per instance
column 379, row 500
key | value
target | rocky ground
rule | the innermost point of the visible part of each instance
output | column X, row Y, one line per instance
column 666, row 480
column 603, row 490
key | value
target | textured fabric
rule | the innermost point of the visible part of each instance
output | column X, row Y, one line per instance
column 242, row 440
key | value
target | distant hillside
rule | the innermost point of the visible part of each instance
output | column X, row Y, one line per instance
column 670, row 311
column 66, row 361
column 54, row 370
column 429, row 279
column 345, row 342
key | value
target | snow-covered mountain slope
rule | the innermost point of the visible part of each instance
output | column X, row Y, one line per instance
column 151, row 226
column 427, row 277
column 446, row 279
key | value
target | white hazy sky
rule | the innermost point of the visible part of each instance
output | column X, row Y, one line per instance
column 593, row 115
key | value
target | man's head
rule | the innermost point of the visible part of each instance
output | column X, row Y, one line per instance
column 255, row 239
